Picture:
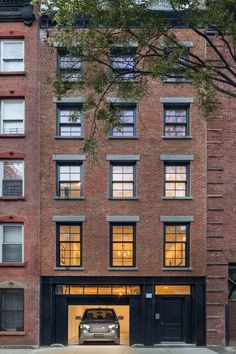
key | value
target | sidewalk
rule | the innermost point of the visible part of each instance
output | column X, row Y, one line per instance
column 110, row 349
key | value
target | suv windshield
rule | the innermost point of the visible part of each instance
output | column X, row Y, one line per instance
column 99, row 314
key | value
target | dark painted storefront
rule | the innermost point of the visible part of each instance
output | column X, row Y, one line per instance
column 154, row 318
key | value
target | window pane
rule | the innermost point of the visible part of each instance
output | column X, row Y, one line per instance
column 12, row 234
column 13, row 127
column 173, row 290
column 13, row 50
column 13, row 170
column 12, row 253
column 123, row 246
column 70, row 246
column 175, row 246
column 13, row 109
column 11, row 318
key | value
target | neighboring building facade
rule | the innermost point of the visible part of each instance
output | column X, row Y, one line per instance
column 129, row 231
column 19, row 182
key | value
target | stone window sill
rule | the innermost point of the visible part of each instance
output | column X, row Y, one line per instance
column 177, row 268
column 69, row 137
column 13, row 333
column 123, row 137
column 177, row 198
column 61, row 198
column 188, row 137
column 69, row 268
column 12, row 264
column 11, row 136
column 123, row 268
column 12, row 73
column 12, row 198
column 114, row 198
column 177, row 80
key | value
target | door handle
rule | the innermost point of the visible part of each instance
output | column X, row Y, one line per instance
column 162, row 323
column 157, row 316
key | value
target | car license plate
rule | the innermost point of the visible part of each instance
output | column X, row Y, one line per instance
column 98, row 335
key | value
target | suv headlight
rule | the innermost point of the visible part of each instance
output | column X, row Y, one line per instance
column 113, row 326
column 84, row 326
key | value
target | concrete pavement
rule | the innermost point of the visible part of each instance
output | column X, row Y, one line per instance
column 110, row 349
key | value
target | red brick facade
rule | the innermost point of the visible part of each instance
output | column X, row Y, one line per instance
column 211, row 204
column 23, row 210
column 149, row 205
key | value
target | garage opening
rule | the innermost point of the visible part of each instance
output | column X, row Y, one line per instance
column 121, row 311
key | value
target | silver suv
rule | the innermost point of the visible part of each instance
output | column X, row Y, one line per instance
column 99, row 324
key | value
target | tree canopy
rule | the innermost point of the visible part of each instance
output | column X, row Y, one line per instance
column 124, row 43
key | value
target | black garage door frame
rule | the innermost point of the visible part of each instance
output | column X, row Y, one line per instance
column 54, row 307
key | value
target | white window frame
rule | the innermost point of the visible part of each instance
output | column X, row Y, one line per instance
column 3, row 118
column 12, row 41
column 2, row 175
column 22, row 240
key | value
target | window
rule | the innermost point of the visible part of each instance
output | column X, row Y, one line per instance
column 123, row 61
column 176, row 121
column 122, row 245
column 69, row 180
column 11, row 310
column 172, row 289
column 12, row 55
column 179, row 61
column 69, row 245
column 176, row 180
column 12, row 116
column 69, row 67
column 232, row 281
column 11, row 178
column 98, row 290
column 176, row 244
column 69, row 121
column 127, row 121
column 123, row 180
column 11, row 243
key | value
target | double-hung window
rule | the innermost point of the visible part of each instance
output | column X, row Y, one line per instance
column 11, row 243
column 176, row 121
column 69, row 241
column 126, row 115
column 123, row 62
column 12, row 55
column 69, row 121
column 123, row 180
column 11, row 310
column 12, row 113
column 122, row 241
column 176, row 245
column 178, row 63
column 69, row 67
column 69, row 180
column 11, row 178
column 176, row 179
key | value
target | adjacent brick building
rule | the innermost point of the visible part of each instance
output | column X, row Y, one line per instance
column 19, row 181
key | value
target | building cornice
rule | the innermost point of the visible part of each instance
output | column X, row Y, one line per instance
column 16, row 11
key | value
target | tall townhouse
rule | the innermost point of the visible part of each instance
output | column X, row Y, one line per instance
column 127, row 232
column 19, row 183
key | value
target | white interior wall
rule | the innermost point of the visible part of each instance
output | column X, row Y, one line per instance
column 78, row 310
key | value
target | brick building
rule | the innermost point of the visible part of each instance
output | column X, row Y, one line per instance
column 19, row 182
column 148, row 230
column 129, row 231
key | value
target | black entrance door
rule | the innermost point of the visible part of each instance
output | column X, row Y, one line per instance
column 170, row 319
